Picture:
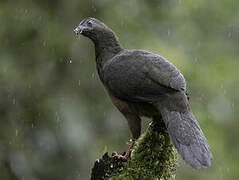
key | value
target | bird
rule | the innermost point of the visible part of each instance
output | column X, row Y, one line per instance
column 144, row 84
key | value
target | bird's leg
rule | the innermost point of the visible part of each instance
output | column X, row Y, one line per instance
column 128, row 153
column 126, row 157
column 134, row 122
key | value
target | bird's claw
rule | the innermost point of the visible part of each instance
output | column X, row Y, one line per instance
column 123, row 158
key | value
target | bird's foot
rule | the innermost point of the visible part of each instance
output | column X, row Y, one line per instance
column 126, row 156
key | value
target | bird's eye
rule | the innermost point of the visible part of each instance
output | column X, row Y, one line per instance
column 89, row 23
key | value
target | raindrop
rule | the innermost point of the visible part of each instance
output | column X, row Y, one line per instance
column 14, row 101
column 94, row 9
column 201, row 97
column 229, row 34
column 93, row 75
column 199, row 44
column 169, row 32
column 224, row 91
column 196, row 59
column 93, row 6
column 58, row 119
column 16, row 132
column 44, row 43
column 105, row 149
column 79, row 82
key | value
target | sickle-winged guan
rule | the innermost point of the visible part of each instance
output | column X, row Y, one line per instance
column 141, row 83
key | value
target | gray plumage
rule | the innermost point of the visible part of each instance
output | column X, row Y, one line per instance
column 141, row 83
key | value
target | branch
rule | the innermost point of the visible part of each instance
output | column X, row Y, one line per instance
column 153, row 157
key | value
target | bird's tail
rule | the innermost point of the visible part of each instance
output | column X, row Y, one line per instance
column 184, row 130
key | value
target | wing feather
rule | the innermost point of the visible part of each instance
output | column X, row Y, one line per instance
column 138, row 75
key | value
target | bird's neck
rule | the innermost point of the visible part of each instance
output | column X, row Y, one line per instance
column 104, row 51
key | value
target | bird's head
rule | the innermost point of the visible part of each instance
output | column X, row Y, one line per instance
column 93, row 29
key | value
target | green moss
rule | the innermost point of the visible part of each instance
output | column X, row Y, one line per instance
column 154, row 157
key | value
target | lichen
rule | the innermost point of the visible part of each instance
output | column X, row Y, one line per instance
column 153, row 157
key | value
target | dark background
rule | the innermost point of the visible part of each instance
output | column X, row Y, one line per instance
column 55, row 116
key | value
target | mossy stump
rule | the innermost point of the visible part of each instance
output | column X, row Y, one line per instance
column 153, row 157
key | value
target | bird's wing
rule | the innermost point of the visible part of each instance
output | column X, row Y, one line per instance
column 138, row 75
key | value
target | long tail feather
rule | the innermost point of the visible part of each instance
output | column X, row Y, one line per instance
column 185, row 131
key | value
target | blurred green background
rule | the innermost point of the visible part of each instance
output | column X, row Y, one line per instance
column 55, row 116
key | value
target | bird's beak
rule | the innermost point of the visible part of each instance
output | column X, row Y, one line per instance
column 79, row 29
